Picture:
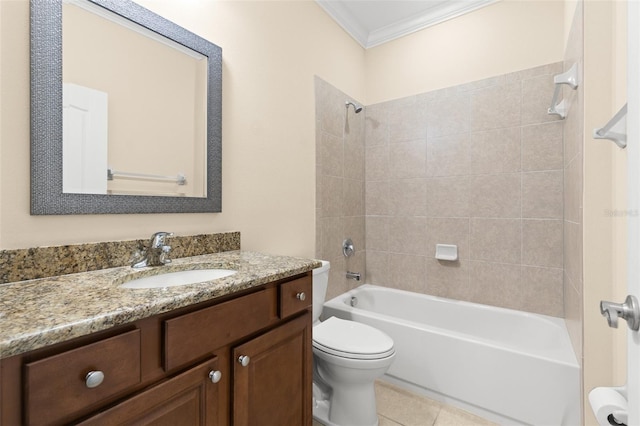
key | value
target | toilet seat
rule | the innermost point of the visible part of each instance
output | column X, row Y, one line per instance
column 350, row 339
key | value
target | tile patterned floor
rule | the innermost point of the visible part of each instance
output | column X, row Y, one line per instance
column 398, row 407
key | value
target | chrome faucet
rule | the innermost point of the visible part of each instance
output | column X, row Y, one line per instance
column 156, row 254
column 353, row 275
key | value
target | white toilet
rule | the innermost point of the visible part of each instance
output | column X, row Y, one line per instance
column 347, row 358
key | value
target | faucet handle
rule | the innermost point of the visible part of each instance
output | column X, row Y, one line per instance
column 164, row 256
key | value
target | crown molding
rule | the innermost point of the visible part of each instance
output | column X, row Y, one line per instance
column 433, row 16
column 345, row 19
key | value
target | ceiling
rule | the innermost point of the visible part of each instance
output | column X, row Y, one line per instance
column 374, row 22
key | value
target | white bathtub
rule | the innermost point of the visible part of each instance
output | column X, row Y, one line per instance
column 509, row 366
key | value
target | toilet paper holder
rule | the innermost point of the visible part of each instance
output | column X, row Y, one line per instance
column 610, row 405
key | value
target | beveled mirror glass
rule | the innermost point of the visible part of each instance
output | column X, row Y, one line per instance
column 159, row 108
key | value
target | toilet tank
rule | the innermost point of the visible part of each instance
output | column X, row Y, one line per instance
column 320, row 284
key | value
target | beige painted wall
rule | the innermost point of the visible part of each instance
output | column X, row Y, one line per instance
column 506, row 36
column 604, row 196
column 271, row 52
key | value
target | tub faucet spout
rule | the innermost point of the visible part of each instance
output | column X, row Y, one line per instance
column 353, row 275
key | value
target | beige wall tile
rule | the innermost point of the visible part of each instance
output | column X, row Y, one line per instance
column 318, row 250
column 354, row 151
column 377, row 124
column 407, row 234
column 377, row 162
column 337, row 279
column 573, row 241
column 496, row 107
column 407, row 120
column 448, row 231
column 332, row 237
column 448, row 115
column 573, row 315
column 497, row 196
column 496, row 240
column 543, row 291
column 355, row 228
column 448, row 155
column 331, row 156
column 407, row 272
column 377, row 268
column 494, row 151
column 542, row 146
column 377, row 232
column 377, row 197
column 331, row 196
column 573, row 129
column 496, row 284
column 448, row 197
column 407, row 197
column 353, row 191
column 537, row 93
column 542, row 242
column 408, row 159
column 542, row 195
column 448, row 279
column 573, row 177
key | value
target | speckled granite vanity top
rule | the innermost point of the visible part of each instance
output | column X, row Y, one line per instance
column 41, row 312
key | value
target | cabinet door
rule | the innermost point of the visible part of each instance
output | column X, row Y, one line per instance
column 190, row 398
column 273, row 388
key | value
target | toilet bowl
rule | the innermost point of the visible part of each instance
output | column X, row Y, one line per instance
column 347, row 358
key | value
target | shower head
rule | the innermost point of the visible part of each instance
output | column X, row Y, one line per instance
column 356, row 107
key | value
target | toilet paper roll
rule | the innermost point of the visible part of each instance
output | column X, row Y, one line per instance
column 607, row 401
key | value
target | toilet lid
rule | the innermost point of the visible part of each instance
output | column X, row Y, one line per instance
column 351, row 339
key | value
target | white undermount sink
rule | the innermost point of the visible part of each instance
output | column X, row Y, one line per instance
column 173, row 279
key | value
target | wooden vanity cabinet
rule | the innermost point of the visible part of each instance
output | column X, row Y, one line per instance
column 178, row 368
column 274, row 387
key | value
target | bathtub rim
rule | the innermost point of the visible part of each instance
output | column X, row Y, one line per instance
column 570, row 358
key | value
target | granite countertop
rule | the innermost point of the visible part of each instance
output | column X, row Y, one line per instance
column 41, row 312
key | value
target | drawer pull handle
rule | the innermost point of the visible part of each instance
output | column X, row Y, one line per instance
column 244, row 360
column 94, row 379
column 215, row 376
column 301, row 296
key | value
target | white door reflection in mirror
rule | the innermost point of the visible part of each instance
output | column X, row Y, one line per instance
column 84, row 152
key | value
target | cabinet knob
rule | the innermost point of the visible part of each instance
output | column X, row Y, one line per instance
column 244, row 360
column 301, row 296
column 215, row 376
column 94, row 378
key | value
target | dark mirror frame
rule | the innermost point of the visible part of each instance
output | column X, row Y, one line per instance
column 47, row 197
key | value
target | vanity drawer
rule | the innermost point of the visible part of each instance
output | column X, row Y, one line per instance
column 197, row 334
column 56, row 387
column 295, row 296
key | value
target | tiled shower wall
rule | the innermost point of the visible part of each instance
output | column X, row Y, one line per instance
column 478, row 165
column 573, row 178
column 339, row 185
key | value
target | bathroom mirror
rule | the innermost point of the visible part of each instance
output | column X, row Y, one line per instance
column 195, row 142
